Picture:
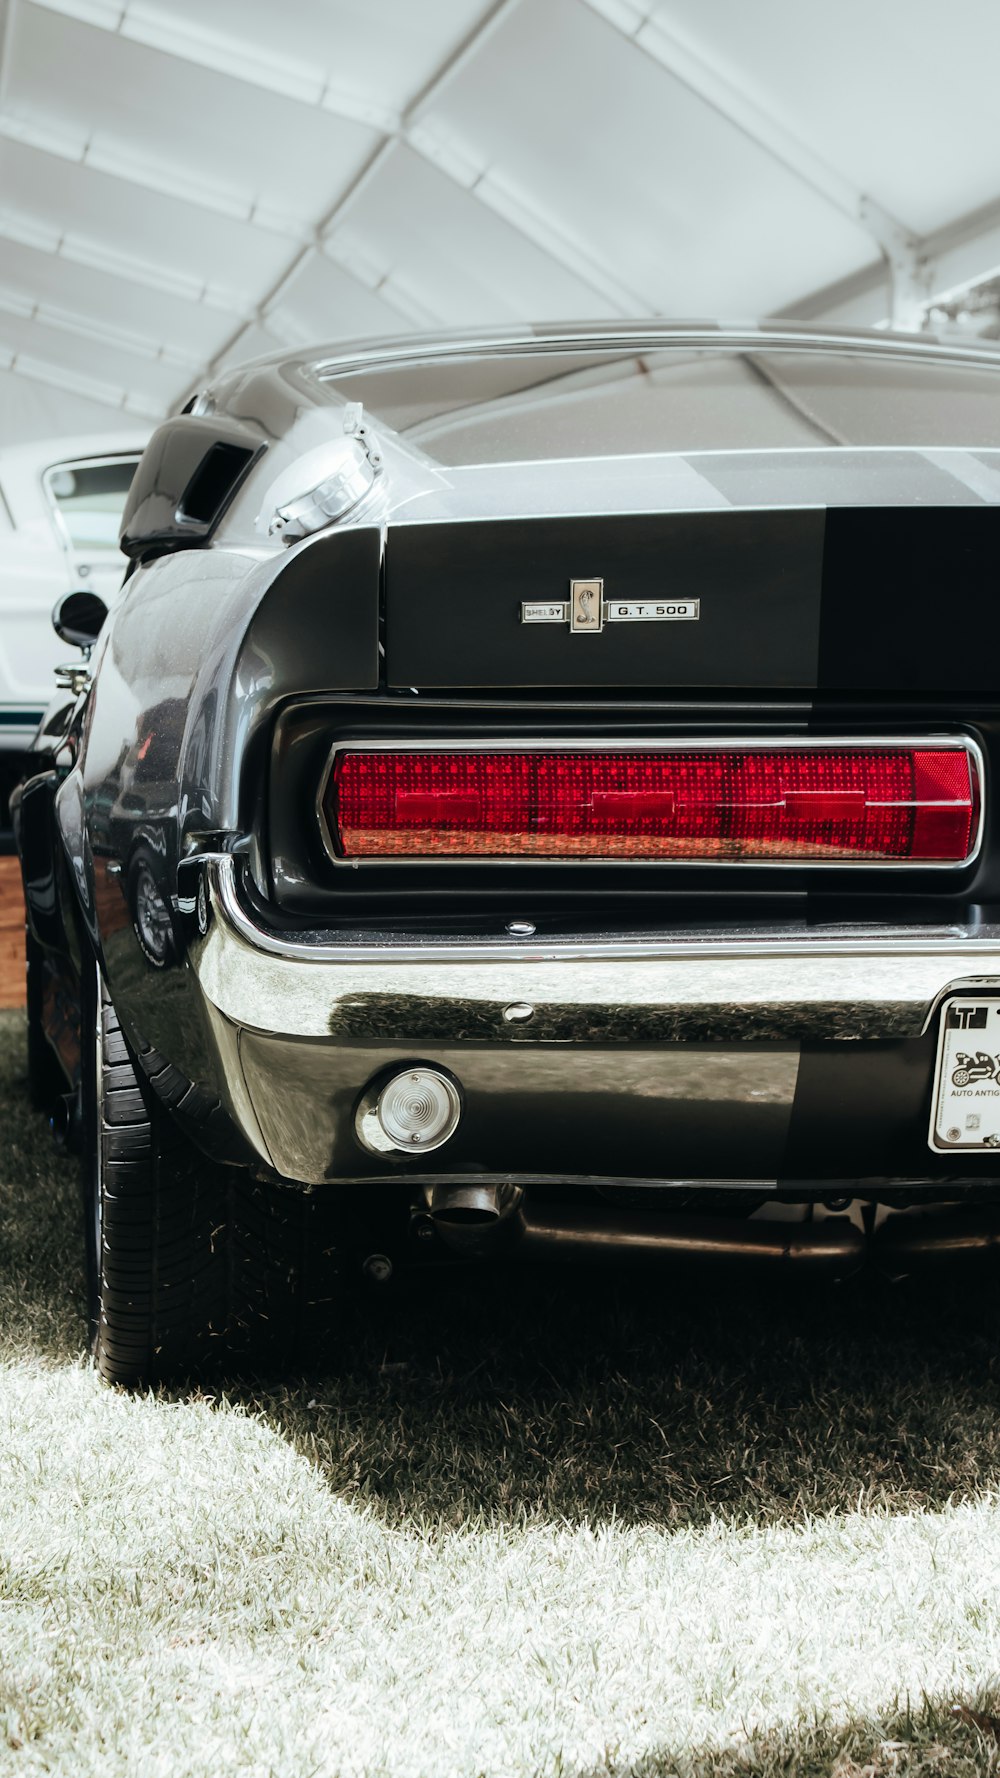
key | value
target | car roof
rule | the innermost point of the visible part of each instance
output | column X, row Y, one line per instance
column 421, row 347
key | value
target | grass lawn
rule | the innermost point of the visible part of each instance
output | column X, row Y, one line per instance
column 551, row 1525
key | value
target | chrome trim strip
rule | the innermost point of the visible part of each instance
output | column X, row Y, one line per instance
column 634, row 338
column 932, row 1142
column 735, row 743
column 950, row 943
column 597, row 1180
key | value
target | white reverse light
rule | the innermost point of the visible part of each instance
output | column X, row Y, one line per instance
column 417, row 1110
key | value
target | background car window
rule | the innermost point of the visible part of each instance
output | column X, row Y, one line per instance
column 89, row 498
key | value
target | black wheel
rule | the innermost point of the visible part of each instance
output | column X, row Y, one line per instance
column 189, row 1262
column 46, row 1081
column 960, row 1078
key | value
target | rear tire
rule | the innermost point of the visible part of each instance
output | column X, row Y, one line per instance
column 189, row 1262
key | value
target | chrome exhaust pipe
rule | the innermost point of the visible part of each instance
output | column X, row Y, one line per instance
column 479, row 1221
column 465, row 1206
column 834, row 1247
column 502, row 1218
column 473, row 1219
column 913, row 1243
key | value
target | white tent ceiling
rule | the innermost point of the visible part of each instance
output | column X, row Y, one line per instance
column 185, row 182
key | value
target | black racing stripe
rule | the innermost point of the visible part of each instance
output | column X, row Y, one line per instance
column 454, row 596
column 908, row 602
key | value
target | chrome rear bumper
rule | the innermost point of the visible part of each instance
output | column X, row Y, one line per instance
column 785, row 982
column 659, row 1038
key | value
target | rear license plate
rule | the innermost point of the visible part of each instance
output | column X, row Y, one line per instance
column 966, row 1115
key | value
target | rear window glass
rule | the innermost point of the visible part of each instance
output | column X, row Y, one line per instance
column 89, row 498
column 544, row 405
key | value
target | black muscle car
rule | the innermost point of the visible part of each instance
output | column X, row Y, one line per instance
column 533, row 796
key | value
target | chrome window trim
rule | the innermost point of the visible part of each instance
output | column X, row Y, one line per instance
column 55, row 511
column 799, row 743
column 638, row 339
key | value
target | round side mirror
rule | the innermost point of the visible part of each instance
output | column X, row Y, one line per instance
column 78, row 617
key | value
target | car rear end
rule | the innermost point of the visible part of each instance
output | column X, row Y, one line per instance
column 646, row 897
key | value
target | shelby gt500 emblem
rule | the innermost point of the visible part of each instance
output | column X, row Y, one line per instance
column 587, row 610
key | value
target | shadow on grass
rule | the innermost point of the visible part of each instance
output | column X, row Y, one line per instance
column 652, row 1398
column 932, row 1738
column 659, row 1397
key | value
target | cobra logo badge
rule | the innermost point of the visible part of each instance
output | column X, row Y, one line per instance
column 586, row 605
column 587, row 610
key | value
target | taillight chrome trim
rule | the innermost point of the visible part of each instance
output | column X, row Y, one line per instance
column 955, row 742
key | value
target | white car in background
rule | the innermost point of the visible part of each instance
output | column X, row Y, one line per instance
column 60, row 507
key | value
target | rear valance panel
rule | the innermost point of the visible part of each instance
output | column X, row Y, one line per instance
column 454, row 596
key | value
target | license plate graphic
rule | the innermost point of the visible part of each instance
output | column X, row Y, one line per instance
column 966, row 1115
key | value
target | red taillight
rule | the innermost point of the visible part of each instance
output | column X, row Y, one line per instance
column 712, row 803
